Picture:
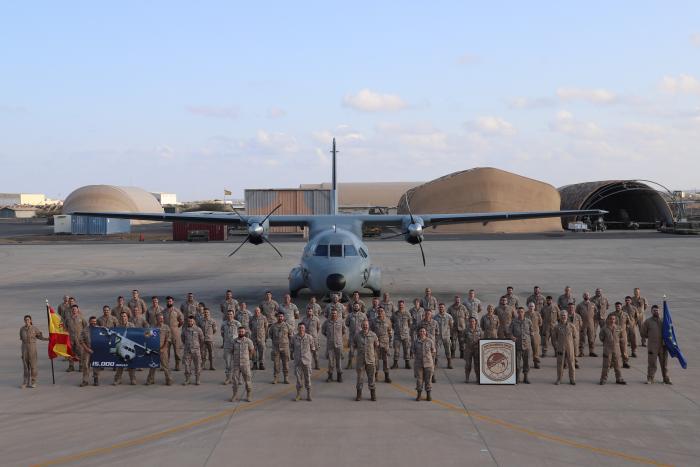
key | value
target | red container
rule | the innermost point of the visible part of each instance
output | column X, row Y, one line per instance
column 181, row 230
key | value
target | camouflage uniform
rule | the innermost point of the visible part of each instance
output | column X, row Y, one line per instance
column 505, row 316
column 304, row 349
column 152, row 315
column 138, row 303
column 230, row 304
column 229, row 333
column 334, row 332
column 564, row 300
column 490, row 325
column 86, row 357
column 538, row 299
column 401, row 322
column 382, row 328
column 269, row 310
column 28, row 335
column 445, row 324
column 209, row 330
column 602, row 307
column 190, row 309
column 108, row 321
column 313, row 328
column 416, row 317
column 337, row 307
column 536, row 322
column 425, row 353
column 291, row 314
column 471, row 352
column 192, row 339
column 367, row 346
column 429, row 303
column 522, row 332
column 242, row 349
column 243, row 318
column 258, row 334
column 473, row 307
column 318, row 311
column 64, row 311
column 460, row 315
column 354, row 323
column 74, row 325
column 389, row 308
column 512, row 301
column 280, row 334
column 165, row 339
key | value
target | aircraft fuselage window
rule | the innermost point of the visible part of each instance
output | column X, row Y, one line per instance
column 336, row 251
column 350, row 250
column 363, row 253
column 321, row 250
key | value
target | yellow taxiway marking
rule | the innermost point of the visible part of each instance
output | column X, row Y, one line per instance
column 161, row 434
column 537, row 434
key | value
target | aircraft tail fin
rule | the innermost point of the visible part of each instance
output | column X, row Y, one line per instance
column 334, row 188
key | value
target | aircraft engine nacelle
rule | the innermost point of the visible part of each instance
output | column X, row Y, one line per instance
column 414, row 231
column 257, row 232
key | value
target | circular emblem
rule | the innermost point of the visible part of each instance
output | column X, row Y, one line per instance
column 497, row 361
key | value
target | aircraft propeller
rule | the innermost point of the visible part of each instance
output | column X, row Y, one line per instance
column 413, row 232
column 256, row 232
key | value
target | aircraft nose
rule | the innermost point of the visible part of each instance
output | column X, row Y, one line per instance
column 335, row 282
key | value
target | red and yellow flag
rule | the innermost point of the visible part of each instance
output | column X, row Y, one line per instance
column 59, row 339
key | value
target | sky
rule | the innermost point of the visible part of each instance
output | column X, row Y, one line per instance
column 197, row 97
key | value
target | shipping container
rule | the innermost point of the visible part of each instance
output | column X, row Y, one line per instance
column 181, row 230
column 88, row 225
column 62, row 224
column 259, row 202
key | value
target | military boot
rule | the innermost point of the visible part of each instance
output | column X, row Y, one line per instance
column 667, row 380
column 525, row 380
column 168, row 382
column 517, row 377
column 428, row 397
column 177, row 366
column 466, row 379
column 418, row 394
column 187, row 381
column 461, row 354
column 329, row 378
column 227, row 380
column 132, row 381
column 358, row 397
column 211, row 366
column 83, row 384
column 261, row 366
column 254, row 367
column 316, row 367
column 620, row 381
column 449, row 363
column 308, row 395
column 650, row 380
column 386, row 377
column 286, row 380
column 395, row 366
column 433, row 379
column 233, row 395
column 349, row 365
column 298, row 396
column 248, row 396
column 373, row 394
column 408, row 364
column 340, row 377
column 95, row 381
column 274, row 379
column 196, row 380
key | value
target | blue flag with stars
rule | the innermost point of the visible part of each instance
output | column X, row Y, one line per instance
column 670, row 337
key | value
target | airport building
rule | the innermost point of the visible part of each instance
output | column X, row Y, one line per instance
column 25, row 199
column 17, row 212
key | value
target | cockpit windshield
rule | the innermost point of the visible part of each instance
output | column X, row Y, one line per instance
column 336, row 251
column 350, row 250
column 321, row 250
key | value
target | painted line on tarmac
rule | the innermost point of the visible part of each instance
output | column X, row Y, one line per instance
column 162, row 434
column 536, row 434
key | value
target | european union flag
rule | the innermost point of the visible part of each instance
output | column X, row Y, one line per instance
column 670, row 337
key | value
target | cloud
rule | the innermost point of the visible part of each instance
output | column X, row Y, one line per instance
column 682, row 84
column 565, row 123
column 213, row 112
column 370, row 101
column 343, row 134
column 535, row 103
column 695, row 39
column 276, row 112
column 492, row 125
column 593, row 96
column 468, row 59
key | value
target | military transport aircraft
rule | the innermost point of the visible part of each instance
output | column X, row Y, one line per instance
column 124, row 347
column 335, row 260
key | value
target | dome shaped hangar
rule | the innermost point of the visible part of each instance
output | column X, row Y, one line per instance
column 627, row 201
column 100, row 198
column 486, row 189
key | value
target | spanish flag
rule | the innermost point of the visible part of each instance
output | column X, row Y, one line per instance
column 59, row 339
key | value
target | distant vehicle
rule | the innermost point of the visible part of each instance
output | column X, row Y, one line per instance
column 335, row 260
column 374, row 230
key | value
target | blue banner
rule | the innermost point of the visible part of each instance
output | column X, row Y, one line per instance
column 669, row 334
column 125, row 347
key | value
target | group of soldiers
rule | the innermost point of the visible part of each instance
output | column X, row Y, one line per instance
column 382, row 332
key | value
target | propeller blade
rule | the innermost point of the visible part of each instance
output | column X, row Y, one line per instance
column 271, row 213
column 393, row 235
column 267, row 240
column 408, row 207
column 422, row 253
column 238, row 214
column 247, row 237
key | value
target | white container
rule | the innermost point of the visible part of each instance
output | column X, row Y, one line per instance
column 62, row 224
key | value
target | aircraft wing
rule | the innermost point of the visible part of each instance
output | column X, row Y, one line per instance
column 430, row 220
column 213, row 217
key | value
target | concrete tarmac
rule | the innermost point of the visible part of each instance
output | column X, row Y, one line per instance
column 466, row 424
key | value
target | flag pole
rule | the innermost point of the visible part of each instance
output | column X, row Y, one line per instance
column 48, row 319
